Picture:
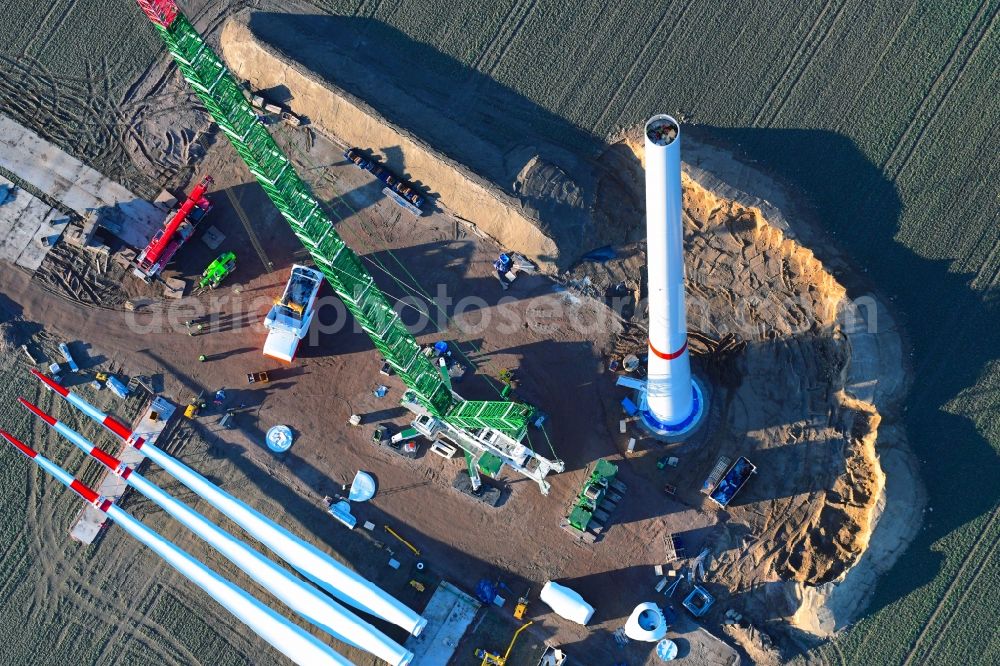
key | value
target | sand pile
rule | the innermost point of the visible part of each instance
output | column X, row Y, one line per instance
column 833, row 540
column 799, row 390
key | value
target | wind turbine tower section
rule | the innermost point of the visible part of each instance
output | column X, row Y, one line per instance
column 673, row 401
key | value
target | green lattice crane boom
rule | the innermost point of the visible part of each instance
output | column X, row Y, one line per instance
column 222, row 96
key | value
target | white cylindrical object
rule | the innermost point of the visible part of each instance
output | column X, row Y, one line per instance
column 670, row 394
column 335, row 578
column 646, row 623
column 301, row 597
column 339, row 581
column 285, row 636
column 566, row 603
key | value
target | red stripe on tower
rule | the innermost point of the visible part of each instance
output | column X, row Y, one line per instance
column 668, row 357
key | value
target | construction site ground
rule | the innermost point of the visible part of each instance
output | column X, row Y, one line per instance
column 559, row 339
column 802, row 395
column 460, row 540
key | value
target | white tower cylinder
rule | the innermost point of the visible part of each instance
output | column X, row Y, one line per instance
column 670, row 397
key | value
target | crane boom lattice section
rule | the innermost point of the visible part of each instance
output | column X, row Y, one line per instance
column 223, row 97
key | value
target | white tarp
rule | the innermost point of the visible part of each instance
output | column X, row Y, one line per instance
column 566, row 603
column 362, row 488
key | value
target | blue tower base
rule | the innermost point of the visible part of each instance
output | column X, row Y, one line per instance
column 673, row 432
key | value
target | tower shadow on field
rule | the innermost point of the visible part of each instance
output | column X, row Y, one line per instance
column 851, row 199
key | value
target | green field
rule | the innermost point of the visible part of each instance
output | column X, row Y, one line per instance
column 881, row 113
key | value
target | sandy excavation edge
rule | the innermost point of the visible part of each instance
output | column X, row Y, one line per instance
column 874, row 382
column 355, row 122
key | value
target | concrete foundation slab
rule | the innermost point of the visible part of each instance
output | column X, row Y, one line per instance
column 80, row 188
column 449, row 614
column 24, row 222
column 90, row 522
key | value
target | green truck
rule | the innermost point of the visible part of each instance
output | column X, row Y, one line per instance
column 597, row 499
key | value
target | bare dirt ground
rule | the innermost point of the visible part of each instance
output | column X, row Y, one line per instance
column 805, row 518
column 783, row 400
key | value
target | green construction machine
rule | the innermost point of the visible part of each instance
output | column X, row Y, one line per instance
column 218, row 271
column 478, row 427
column 598, row 498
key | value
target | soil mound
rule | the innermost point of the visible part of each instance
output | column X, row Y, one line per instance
column 800, row 381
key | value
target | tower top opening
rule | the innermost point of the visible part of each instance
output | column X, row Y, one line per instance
column 662, row 130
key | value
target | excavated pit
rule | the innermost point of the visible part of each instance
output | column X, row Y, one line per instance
column 801, row 380
column 474, row 146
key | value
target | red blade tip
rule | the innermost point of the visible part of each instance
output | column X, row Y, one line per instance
column 37, row 412
column 51, row 383
column 24, row 448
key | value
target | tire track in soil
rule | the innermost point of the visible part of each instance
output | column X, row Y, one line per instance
column 664, row 44
column 132, row 623
column 70, row 112
column 837, row 652
column 876, row 66
column 982, row 562
column 495, row 39
column 951, row 586
column 633, row 67
column 145, row 96
column 891, row 172
column 798, row 77
column 572, row 88
column 987, row 264
column 803, row 45
column 374, row 12
column 130, row 616
column 512, row 36
column 55, row 572
column 45, row 21
column 100, row 589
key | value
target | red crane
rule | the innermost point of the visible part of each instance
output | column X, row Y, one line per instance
column 168, row 240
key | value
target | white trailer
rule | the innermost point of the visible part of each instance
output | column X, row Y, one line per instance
column 288, row 321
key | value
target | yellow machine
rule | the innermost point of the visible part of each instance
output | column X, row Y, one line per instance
column 521, row 607
column 490, row 659
column 196, row 404
column 297, row 308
